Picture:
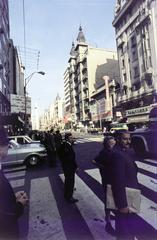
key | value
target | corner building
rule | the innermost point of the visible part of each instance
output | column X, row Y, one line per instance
column 80, row 78
column 135, row 24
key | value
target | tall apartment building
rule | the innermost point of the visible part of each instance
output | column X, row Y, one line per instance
column 4, row 58
column 135, row 24
column 85, row 69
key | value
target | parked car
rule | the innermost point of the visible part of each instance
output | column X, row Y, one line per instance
column 23, row 139
column 29, row 154
column 144, row 140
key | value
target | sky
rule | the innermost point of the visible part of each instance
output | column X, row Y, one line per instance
column 50, row 27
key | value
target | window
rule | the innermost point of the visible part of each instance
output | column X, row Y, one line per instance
column 134, row 55
column 136, row 72
column 123, row 63
column 20, row 140
column 150, row 61
column 124, row 77
column 133, row 42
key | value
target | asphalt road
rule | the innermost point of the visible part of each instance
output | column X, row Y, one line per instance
column 48, row 216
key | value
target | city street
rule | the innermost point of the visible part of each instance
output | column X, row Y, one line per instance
column 48, row 216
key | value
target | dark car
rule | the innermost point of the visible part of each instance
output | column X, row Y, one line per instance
column 144, row 142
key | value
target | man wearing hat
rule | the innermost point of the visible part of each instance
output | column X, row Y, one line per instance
column 11, row 205
column 69, row 166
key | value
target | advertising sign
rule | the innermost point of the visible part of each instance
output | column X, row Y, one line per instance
column 18, row 104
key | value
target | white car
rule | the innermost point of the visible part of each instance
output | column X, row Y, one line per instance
column 29, row 154
column 23, row 139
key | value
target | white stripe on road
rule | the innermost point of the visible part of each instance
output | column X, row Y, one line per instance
column 14, row 169
column 151, row 161
column 44, row 218
column 147, row 167
column 148, row 208
column 15, row 174
column 149, row 211
column 83, row 141
column 17, row 183
column 148, row 182
column 96, row 139
column 91, row 209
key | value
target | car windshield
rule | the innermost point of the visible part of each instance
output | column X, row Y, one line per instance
column 29, row 139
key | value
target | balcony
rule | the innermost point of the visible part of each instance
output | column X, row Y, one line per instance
column 84, row 77
column 78, row 60
column 84, row 68
column 86, row 97
column 86, row 107
column 85, row 87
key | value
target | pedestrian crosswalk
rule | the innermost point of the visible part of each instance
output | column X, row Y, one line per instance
column 89, row 139
column 148, row 208
column 46, row 216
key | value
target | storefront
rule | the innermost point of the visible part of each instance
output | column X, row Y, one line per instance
column 138, row 117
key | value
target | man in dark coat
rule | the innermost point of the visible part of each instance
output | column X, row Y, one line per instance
column 69, row 166
column 49, row 143
column 123, row 173
column 58, row 140
column 11, row 205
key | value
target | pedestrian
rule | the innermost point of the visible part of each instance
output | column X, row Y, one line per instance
column 102, row 161
column 49, row 143
column 11, row 205
column 123, row 173
column 69, row 166
column 58, row 140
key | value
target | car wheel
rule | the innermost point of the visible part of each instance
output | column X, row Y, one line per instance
column 32, row 161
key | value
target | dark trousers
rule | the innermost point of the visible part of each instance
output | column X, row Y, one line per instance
column 125, row 226
column 69, row 184
column 51, row 155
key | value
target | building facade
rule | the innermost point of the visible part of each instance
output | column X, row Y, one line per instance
column 4, row 58
column 135, row 24
column 86, row 67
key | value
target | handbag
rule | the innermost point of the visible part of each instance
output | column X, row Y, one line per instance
column 133, row 199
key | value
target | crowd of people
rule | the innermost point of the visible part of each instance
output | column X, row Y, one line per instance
column 116, row 162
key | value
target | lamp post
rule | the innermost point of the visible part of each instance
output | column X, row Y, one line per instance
column 98, row 104
column 26, row 81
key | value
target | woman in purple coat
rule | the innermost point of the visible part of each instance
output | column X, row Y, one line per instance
column 102, row 161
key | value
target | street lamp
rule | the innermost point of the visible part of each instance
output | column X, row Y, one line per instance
column 27, row 79
column 98, row 104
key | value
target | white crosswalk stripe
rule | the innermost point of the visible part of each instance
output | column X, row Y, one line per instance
column 19, row 168
column 15, row 174
column 148, row 182
column 90, row 139
column 148, row 208
column 92, row 209
column 17, row 183
column 147, row 167
column 44, row 217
